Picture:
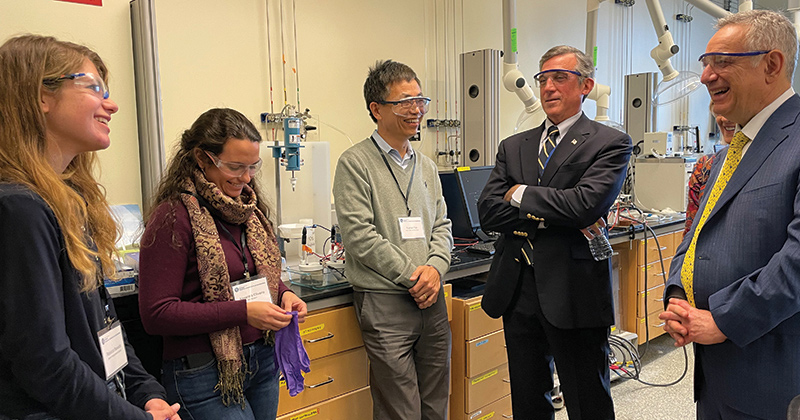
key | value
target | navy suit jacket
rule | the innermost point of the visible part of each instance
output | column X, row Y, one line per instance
column 579, row 184
column 747, row 273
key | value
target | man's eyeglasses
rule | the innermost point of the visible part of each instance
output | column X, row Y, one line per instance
column 721, row 60
column 403, row 107
column 558, row 76
column 89, row 81
column 234, row 168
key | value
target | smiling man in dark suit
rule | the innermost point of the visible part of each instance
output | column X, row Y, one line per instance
column 734, row 283
column 555, row 299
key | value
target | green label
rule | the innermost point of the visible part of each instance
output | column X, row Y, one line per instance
column 513, row 39
column 594, row 56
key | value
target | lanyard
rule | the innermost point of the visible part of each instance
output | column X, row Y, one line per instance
column 108, row 319
column 410, row 181
column 241, row 246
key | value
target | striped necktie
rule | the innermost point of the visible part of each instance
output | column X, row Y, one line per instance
column 731, row 162
column 547, row 149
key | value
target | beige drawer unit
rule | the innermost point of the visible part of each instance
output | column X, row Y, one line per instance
column 448, row 300
column 330, row 331
column 666, row 244
column 469, row 317
column 655, row 302
column 353, row 405
column 632, row 290
column 471, row 394
column 330, row 377
column 484, row 353
column 655, row 275
column 498, row 410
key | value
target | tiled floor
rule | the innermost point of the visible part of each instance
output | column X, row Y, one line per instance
column 662, row 363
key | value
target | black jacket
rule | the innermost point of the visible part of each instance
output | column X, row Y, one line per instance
column 49, row 356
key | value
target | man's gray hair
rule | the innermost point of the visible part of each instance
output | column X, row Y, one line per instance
column 585, row 64
column 766, row 30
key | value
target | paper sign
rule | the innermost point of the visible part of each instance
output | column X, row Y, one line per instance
column 89, row 2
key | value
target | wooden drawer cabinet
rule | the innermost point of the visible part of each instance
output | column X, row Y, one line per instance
column 485, row 352
column 653, row 273
column 655, row 302
column 472, row 320
column 498, row 410
column 479, row 363
column 486, row 387
column 330, row 376
column 339, row 377
column 666, row 245
column 633, row 290
column 330, row 331
column 353, row 405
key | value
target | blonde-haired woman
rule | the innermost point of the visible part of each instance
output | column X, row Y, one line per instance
column 62, row 353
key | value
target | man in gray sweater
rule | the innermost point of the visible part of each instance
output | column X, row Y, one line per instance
column 397, row 241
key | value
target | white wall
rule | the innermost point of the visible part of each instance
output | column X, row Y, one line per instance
column 107, row 30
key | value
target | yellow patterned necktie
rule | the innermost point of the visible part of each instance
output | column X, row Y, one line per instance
column 731, row 162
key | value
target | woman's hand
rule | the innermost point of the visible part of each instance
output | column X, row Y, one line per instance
column 291, row 302
column 266, row 316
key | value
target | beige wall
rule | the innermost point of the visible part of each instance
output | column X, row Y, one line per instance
column 217, row 54
column 106, row 30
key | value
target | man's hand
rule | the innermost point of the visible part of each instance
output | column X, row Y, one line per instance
column 687, row 324
column 510, row 192
column 291, row 302
column 426, row 291
column 161, row 410
column 594, row 230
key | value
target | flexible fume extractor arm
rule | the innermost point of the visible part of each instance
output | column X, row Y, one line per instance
column 513, row 79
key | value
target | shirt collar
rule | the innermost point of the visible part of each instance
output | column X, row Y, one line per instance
column 388, row 149
column 564, row 126
column 757, row 122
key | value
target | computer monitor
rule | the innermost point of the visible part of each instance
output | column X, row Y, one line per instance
column 461, row 189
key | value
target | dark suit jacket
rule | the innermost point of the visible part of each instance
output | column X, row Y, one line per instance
column 579, row 184
column 747, row 273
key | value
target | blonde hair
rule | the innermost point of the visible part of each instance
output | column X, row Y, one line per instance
column 28, row 64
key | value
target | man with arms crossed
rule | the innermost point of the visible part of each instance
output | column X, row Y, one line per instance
column 555, row 299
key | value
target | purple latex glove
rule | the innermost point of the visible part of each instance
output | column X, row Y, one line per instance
column 290, row 355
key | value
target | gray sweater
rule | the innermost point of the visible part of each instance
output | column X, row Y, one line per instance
column 368, row 206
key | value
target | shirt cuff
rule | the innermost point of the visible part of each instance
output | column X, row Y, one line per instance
column 516, row 198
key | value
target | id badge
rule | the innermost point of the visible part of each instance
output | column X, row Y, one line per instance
column 411, row 228
column 254, row 289
column 112, row 347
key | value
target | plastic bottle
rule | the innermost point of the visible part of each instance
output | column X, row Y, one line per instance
column 600, row 246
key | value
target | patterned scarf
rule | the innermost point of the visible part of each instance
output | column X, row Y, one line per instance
column 214, row 277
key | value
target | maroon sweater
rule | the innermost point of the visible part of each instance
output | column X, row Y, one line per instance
column 170, row 297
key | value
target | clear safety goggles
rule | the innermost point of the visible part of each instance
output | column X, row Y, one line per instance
column 89, row 81
column 409, row 106
column 558, row 76
column 234, row 168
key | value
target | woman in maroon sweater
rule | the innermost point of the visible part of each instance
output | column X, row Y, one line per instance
column 207, row 241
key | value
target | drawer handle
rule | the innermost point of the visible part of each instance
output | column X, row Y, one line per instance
column 508, row 416
column 327, row 337
column 508, row 381
column 320, row 384
column 659, row 325
column 659, row 275
column 659, row 299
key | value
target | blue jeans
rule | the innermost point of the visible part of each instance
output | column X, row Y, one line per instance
column 194, row 388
